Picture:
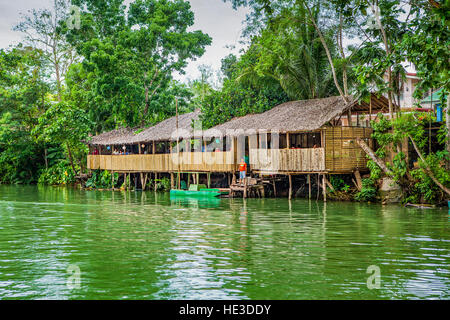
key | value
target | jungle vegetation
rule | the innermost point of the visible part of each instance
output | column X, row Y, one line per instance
column 113, row 66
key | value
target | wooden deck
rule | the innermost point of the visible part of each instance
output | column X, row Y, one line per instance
column 185, row 161
column 287, row 160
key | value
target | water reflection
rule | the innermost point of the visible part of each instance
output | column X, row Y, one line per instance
column 142, row 245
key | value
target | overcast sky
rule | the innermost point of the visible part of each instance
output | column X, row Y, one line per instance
column 213, row 17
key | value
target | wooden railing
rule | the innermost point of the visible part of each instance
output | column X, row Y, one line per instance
column 287, row 160
column 184, row 161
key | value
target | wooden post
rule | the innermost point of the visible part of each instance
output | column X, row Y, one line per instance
column 197, row 178
column 188, row 180
column 179, row 180
column 171, row 180
column 288, row 141
column 140, row 150
column 209, row 179
column 324, row 188
column 154, row 147
column 156, row 177
column 112, row 180
column 245, row 188
column 290, row 187
column 309, row 185
column 274, row 188
column 318, row 186
column 358, row 180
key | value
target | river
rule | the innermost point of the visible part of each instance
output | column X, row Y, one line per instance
column 65, row 243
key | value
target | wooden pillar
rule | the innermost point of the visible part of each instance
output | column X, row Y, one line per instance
column 274, row 188
column 290, row 186
column 178, row 180
column 154, row 147
column 288, row 141
column 324, row 188
column 139, row 147
column 156, row 177
column 245, row 188
column 309, row 185
column 197, row 178
column 112, row 180
column 171, row 181
column 188, row 180
column 209, row 179
column 318, row 186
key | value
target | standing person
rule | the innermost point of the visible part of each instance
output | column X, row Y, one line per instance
column 242, row 170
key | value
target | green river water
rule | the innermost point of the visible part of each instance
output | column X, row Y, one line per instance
column 134, row 245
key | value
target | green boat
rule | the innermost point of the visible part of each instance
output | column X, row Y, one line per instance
column 198, row 190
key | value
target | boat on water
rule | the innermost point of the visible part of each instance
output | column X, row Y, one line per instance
column 199, row 190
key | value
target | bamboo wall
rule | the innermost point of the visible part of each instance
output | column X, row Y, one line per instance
column 288, row 160
column 342, row 153
column 188, row 161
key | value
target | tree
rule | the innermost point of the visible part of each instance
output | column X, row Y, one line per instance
column 42, row 29
column 65, row 124
column 130, row 56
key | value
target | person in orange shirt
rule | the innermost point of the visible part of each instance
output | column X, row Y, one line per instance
column 242, row 170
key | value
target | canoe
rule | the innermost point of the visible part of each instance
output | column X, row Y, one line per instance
column 200, row 193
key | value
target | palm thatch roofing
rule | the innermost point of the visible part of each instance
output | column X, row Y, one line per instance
column 163, row 131
column 293, row 116
column 117, row 136
column 303, row 115
column 167, row 129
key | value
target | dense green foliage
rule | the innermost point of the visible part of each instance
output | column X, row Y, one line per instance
column 64, row 83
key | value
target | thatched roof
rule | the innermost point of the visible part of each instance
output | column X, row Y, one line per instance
column 304, row 115
column 164, row 130
column 117, row 136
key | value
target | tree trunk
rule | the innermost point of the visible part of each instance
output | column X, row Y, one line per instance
column 428, row 170
column 372, row 155
column 327, row 50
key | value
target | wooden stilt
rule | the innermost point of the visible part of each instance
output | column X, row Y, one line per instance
column 324, row 188
column 309, row 185
column 358, row 180
column 141, row 176
column 171, row 181
column 318, row 187
column 245, row 188
column 188, row 180
column 274, row 188
column 112, row 180
column 209, row 179
column 290, row 187
column 156, row 184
